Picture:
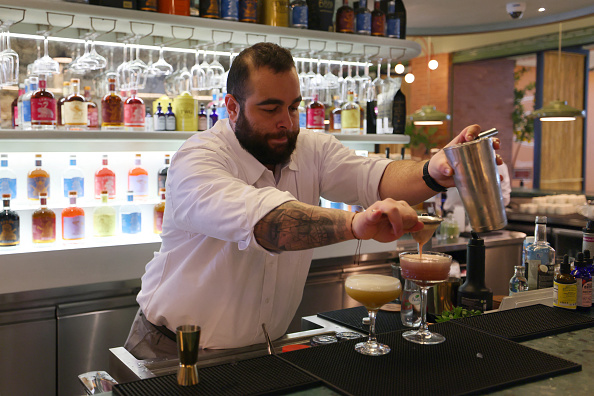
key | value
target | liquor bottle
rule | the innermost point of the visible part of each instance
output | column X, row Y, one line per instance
column 27, row 102
column 213, row 117
column 371, row 117
column 74, row 110
column 275, row 12
column 131, row 216
column 73, row 179
column 565, row 287
column 202, row 119
column 298, row 14
column 170, row 121
column 43, row 107
column 134, row 112
column 158, row 212
column 583, row 280
column 174, row 7
column 147, row 5
column 248, row 11
column 350, row 116
column 209, row 9
column 112, row 108
column 363, row 19
column 229, row 10
column 20, row 106
column 15, row 107
column 9, row 224
column 588, row 236
column 43, row 222
column 138, row 179
column 473, row 294
column 105, row 179
column 320, row 15
column 38, row 180
column 315, row 115
column 399, row 113
column 73, row 220
column 159, row 118
column 336, row 117
column 8, row 180
column 345, row 18
column 302, row 114
column 104, row 218
column 398, row 20
column 149, row 124
column 538, row 254
column 194, row 8
column 518, row 282
column 92, row 110
column 378, row 20
column 60, row 102
column 162, row 175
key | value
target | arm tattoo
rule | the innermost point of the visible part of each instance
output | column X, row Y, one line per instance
column 297, row 226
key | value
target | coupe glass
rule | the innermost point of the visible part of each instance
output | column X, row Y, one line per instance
column 373, row 291
column 46, row 64
column 425, row 270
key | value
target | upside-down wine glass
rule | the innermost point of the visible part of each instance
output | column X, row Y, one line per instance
column 10, row 59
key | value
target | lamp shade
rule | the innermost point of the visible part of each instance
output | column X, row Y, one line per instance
column 557, row 110
column 428, row 115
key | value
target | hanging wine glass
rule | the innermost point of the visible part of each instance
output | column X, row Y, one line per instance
column 170, row 80
column 100, row 85
column 321, row 86
column 74, row 67
column 303, row 80
column 348, row 84
column 393, row 87
column 121, row 71
column 137, row 70
column 97, row 59
column 86, row 61
column 10, row 59
column 46, row 64
column 206, row 67
column 217, row 71
column 161, row 67
column 198, row 80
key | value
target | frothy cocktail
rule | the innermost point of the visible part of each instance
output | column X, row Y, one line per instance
column 425, row 270
column 373, row 290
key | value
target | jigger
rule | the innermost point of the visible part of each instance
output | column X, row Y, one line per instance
column 188, row 339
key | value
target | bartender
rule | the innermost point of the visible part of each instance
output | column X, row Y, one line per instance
column 242, row 216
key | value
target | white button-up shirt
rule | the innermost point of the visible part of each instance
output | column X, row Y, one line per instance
column 210, row 270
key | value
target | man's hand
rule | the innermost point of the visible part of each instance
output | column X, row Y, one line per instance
column 386, row 221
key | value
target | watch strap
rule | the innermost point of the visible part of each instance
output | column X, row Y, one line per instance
column 430, row 181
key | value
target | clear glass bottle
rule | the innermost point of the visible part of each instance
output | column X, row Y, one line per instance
column 112, row 108
column 104, row 218
column 363, row 19
column 518, row 282
column 73, row 179
column 540, row 258
column 159, row 118
column 9, row 224
column 8, row 179
column 43, row 222
column 73, row 220
column 33, row 82
column 298, row 14
column 138, row 179
column 131, row 216
column 162, row 175
column 105, row 179
column 38, row 180
column 158, row 212
column 410, row 308
column 75, row 112
column 336, row 117
column 350, row 116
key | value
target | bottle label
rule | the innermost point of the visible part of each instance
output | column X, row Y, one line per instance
column 161, row 181
column 299, row 16
column 131, row 223
column 112, row 113
column 44, row 229
column 9, row 231
column 74, row 184
column 247, row 11
column 546, row 276
column 159, row 123
column 364, row 23
column 584, row 292
column 346, row 23
column 27, row 111
column 158, row 222
column 315, row 118
column 170, row 123
column 202, row 123
column 337, row 121
column 36, row 185
column 565, row 295
column 75, row 113
column 392, row 29
column 229, row 10
column 350, row 119
column 534, row 259
column 43, row 109
column 93, row 117
column 474, row 303
column 138, row 184
column 74, row 227
column 134, row 114
column 15, row 120
column 105, row 183
column 104, row 224
column 8, row 186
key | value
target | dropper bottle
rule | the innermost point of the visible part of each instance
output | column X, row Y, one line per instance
column 583, row 282
column 564, row 286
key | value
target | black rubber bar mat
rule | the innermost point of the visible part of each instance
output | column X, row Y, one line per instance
column 353, row 319
column 527, row 323
column 468, row 362
column 263, row 375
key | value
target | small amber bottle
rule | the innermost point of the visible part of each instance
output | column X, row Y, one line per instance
column 565, row 287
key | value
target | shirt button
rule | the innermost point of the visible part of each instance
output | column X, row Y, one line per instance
column 267, row 300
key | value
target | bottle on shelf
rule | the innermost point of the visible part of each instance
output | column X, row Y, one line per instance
column 73, row 179
column 186, row 118
column 33, row 85
column 170, row 121
column 473, row 294
column 73, row 220
column 195, row 8
column 162, row 175
column 202, row 119
column 345, row 18
column 335, row 125
column 350, row 116
column 315, row 115
column 213, row 117
column 363, row 19
column 60, row 102
column 248, row 11
column 518, row 282
column 112, row 108
column 399, row 113
column 298, row 14
column 583, row 282
column 229, row 10
column 159, row 118
column 588, row 236
column 92, row 110
column 209, row 9
column 158, row 212
column 138, row 179
column 43, row 222
column 378, row 20
column 104, row 218
column 148, row 120
column 10, row 230
column 20, row 104
column 130, row 216
column 75, row 111
column 38, row 180
column 540, row 256
column 134, row 112
column 14, row 107
column 8, row 179
column 43, row 107
column 105, row 179
column 302, row 115
column 275, row 13
column 174, row 7
column 565, row 287
column 147, row 5
column 397, row 20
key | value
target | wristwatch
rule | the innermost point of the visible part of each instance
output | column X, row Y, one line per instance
column 430, row 182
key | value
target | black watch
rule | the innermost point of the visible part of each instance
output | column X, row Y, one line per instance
column 430, row 182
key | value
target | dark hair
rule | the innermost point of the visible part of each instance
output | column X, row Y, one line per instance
column 259, row 55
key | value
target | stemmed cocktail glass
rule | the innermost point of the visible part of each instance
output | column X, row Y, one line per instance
column 373, row 291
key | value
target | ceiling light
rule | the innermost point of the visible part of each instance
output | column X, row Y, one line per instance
column 409, row 78
column 428, row 115
column 541, row 9
column 433, row 64
column 399, row 68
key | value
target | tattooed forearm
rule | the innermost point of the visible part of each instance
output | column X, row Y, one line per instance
column 297, row 226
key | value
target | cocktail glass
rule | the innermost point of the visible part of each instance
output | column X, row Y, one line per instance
column 425, row 270
column 373, row 291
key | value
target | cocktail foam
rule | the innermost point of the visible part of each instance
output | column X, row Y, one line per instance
column 372, row 282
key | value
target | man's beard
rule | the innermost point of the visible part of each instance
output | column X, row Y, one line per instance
column 255, row 142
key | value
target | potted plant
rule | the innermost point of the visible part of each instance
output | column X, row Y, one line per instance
column 421, row 139
column 523, row 123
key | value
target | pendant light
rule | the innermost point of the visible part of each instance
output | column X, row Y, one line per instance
column 558, row 110
column 428, row 114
